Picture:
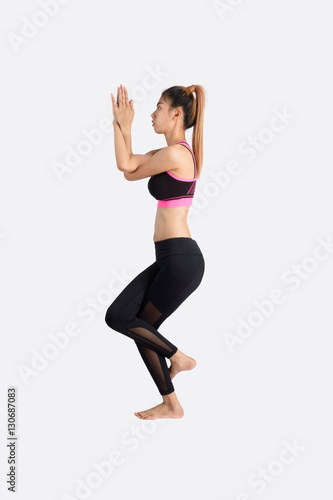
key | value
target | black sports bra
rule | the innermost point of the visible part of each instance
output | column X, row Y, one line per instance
column 170, row 190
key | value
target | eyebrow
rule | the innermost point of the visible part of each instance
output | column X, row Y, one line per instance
column 159, row 102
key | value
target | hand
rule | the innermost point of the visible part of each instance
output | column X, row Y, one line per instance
column 123, row 110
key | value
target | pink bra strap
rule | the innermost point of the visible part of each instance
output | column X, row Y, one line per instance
column 195, row 163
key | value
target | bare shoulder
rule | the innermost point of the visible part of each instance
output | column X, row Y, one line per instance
column 181, row 151
column 168, row 152
column 182, row 161
column 174, row 152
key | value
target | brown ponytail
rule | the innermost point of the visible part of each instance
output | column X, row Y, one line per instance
column 193, row 107
column 197, row 136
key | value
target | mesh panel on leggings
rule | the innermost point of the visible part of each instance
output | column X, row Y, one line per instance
column 150, row 313
column 153, row 360
column 140, row 332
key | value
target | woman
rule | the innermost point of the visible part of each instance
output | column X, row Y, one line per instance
column 153, row 295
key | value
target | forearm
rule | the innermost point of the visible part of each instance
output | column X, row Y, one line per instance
column 128, row 139
column 122, row 147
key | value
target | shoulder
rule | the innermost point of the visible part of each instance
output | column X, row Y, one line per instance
column 182, row 161
column 176, row 153
column 170, row 155
column 170, row 151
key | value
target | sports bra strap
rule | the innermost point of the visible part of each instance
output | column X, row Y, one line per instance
column 195, row 163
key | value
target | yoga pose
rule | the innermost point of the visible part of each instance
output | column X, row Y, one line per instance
column 153, row 295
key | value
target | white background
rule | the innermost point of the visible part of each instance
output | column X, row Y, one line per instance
column 63, row 241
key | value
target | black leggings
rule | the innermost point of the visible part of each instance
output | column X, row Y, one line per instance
column 153, row 296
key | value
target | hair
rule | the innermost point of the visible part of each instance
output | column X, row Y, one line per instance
column 193, row 108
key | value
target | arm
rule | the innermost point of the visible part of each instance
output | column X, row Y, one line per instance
column 128, row 139
column 123, row 113
column 162, row 160
column 125, row 159
column 122, row 150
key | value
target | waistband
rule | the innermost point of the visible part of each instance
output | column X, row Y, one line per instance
column 173, row 246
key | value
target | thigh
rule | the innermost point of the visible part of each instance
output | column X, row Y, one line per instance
column 128, row 302
column 176, row 280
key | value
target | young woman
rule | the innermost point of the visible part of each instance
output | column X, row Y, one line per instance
column 153, row 295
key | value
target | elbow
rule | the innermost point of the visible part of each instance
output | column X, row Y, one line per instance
column 125, row 167
column 127, row 175
column 121, row 167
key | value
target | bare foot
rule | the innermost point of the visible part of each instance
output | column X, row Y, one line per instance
column 180, row 362
column 170, row 408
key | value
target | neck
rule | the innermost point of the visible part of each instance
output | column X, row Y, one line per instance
column 172, row 138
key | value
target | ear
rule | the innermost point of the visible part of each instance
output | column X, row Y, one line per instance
column 178, row 112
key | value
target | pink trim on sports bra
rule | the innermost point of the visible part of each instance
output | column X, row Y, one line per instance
column 181, row 202
column 195, row 166
column 180, row 178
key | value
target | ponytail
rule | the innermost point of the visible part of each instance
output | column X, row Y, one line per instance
column 197, row 136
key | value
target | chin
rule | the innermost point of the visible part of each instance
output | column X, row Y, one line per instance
column 158, row 131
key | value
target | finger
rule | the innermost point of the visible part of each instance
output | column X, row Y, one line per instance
column 122, row 99
column 113, row 103
column 119, row 99
column 126, row 97
column 114, row 106
column 118, row 96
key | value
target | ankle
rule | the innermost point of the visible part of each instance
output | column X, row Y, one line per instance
column 170, row 399
column 175, row 356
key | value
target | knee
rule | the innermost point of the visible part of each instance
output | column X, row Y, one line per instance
column 112, row 318
column 118, row 316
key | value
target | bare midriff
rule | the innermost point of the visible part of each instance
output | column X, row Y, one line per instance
column 171, row 222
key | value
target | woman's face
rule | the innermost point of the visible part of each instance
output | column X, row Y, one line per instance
column 162, row 117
